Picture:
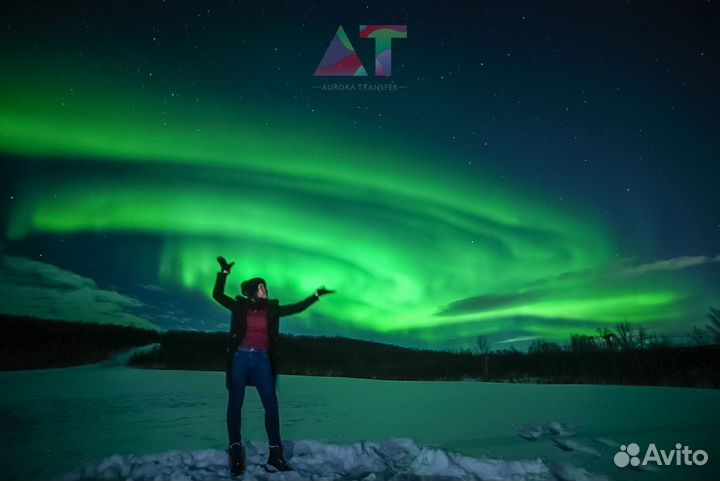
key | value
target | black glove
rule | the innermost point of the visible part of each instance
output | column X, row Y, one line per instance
column 224, row 264
column 322, row 291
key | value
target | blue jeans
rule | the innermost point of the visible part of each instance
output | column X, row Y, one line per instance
column 252, row 368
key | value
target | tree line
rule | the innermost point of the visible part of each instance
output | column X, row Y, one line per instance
column 32, row 343
column 626, row 354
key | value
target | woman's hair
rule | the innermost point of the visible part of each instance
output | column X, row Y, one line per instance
column 249, row 287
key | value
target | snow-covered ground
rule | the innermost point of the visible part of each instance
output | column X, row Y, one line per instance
column 108, row 421
column 396, row 459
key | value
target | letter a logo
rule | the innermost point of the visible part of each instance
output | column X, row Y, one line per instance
column 340, row 58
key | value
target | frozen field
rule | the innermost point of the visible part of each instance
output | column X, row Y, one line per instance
column 171, row 424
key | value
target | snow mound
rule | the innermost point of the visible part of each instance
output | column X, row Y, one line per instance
column 573, row 445
column 532, row 432
column 607, row 442
column 394, row 459
column 567, row 472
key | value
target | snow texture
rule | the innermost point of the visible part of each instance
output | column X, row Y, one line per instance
column 393, row 459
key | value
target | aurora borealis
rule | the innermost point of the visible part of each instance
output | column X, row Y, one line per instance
column 551, row 181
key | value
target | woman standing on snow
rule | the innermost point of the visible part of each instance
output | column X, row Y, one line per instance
column 254, row 329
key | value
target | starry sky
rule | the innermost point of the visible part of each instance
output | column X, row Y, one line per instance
column 528, row 170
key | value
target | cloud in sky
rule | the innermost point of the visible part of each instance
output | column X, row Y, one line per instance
column 581, row 301
column 516, row 339
column 485, row 302
column 43, row 290
column 674, row 264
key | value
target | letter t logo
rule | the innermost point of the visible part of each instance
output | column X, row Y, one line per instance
column 383, row 35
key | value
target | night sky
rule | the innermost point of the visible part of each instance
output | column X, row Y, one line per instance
column 537, row 168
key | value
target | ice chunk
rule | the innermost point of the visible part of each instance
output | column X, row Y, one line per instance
column 574, row 445
column 556, row 428
column 531, row 432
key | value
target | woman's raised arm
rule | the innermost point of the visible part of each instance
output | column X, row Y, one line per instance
column 290, row 309
column 218, row 292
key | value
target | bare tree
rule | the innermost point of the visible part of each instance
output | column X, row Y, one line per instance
column 641, row 336
column 483, row 344
column 583, row 343
column 713, row 328
column 484, row 349
column 608, row 338
column 711, row 333
column 699, row 337
column 541, row 346
column 630, row 336
column 624, row 332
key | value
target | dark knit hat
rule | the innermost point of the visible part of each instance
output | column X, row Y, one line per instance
column 249, row 287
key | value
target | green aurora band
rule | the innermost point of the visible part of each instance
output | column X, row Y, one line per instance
column 411, row 247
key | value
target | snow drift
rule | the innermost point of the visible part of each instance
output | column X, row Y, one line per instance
column 393, row 459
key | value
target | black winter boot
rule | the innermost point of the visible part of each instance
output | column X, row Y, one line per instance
column 236, row 454
column 276, row 460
